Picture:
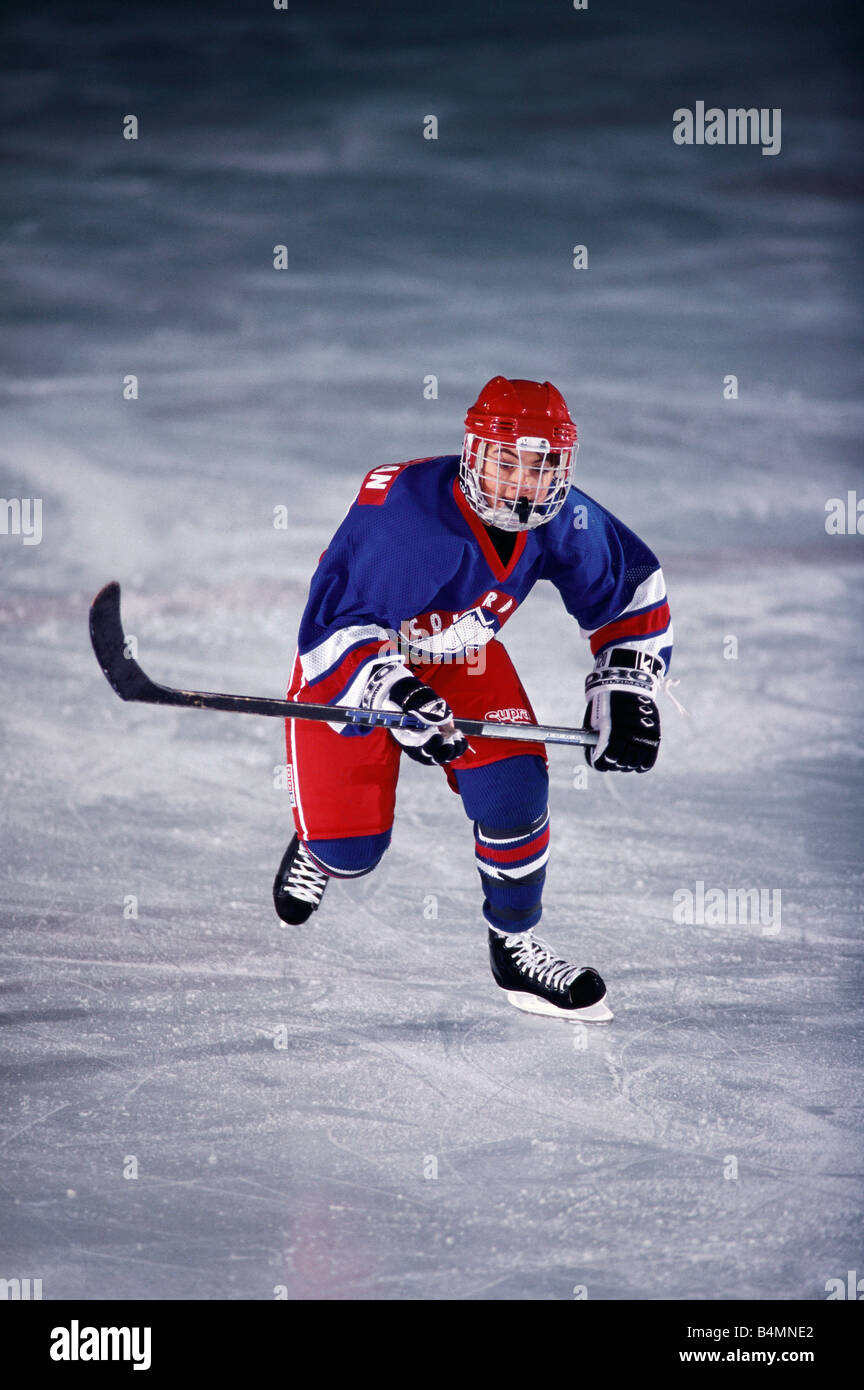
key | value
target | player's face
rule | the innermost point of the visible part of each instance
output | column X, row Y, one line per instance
column 505, row 476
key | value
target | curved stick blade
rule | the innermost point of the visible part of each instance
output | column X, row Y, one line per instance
column 120, row 669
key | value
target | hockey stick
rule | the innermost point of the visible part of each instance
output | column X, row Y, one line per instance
column 126, row 677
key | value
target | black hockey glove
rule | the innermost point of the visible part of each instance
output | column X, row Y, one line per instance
column 392, row 687
column 621, row 708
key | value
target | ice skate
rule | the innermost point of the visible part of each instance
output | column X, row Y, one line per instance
column 539, row 982
column 299, row 885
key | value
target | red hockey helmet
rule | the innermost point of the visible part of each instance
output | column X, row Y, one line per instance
column 518, row 452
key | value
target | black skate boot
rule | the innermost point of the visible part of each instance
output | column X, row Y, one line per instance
column 299, row 885
column 539, row 982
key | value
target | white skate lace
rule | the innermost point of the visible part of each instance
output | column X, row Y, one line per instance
column 304, row 879
column 537, row 959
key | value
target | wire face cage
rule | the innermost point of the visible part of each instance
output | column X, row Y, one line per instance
column 516, row 487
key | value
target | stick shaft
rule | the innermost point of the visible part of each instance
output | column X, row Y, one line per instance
column 127, row 678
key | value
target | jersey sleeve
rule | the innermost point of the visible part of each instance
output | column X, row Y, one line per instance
column 609, row 579
column 367, row 581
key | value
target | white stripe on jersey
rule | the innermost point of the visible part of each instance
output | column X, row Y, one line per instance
column 651, row 591
column 653, row 643
column 331, row 651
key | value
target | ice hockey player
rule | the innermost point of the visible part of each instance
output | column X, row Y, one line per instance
column 431, row 560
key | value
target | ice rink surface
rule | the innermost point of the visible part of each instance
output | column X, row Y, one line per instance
column 351, row 1110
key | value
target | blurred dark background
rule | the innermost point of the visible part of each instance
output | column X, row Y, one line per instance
column 408, row 257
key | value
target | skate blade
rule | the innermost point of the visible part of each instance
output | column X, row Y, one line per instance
column 531, row 1004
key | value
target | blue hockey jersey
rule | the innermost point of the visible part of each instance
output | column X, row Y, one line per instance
column 412, row 574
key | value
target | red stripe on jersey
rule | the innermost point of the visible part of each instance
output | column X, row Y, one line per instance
column 376, row 484
column 507, row 856
column 639, row 625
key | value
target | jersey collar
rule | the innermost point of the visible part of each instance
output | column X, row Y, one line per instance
column 490, row 554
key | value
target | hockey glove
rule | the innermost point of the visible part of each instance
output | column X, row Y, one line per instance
column 392, row 687
column 621, row 708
